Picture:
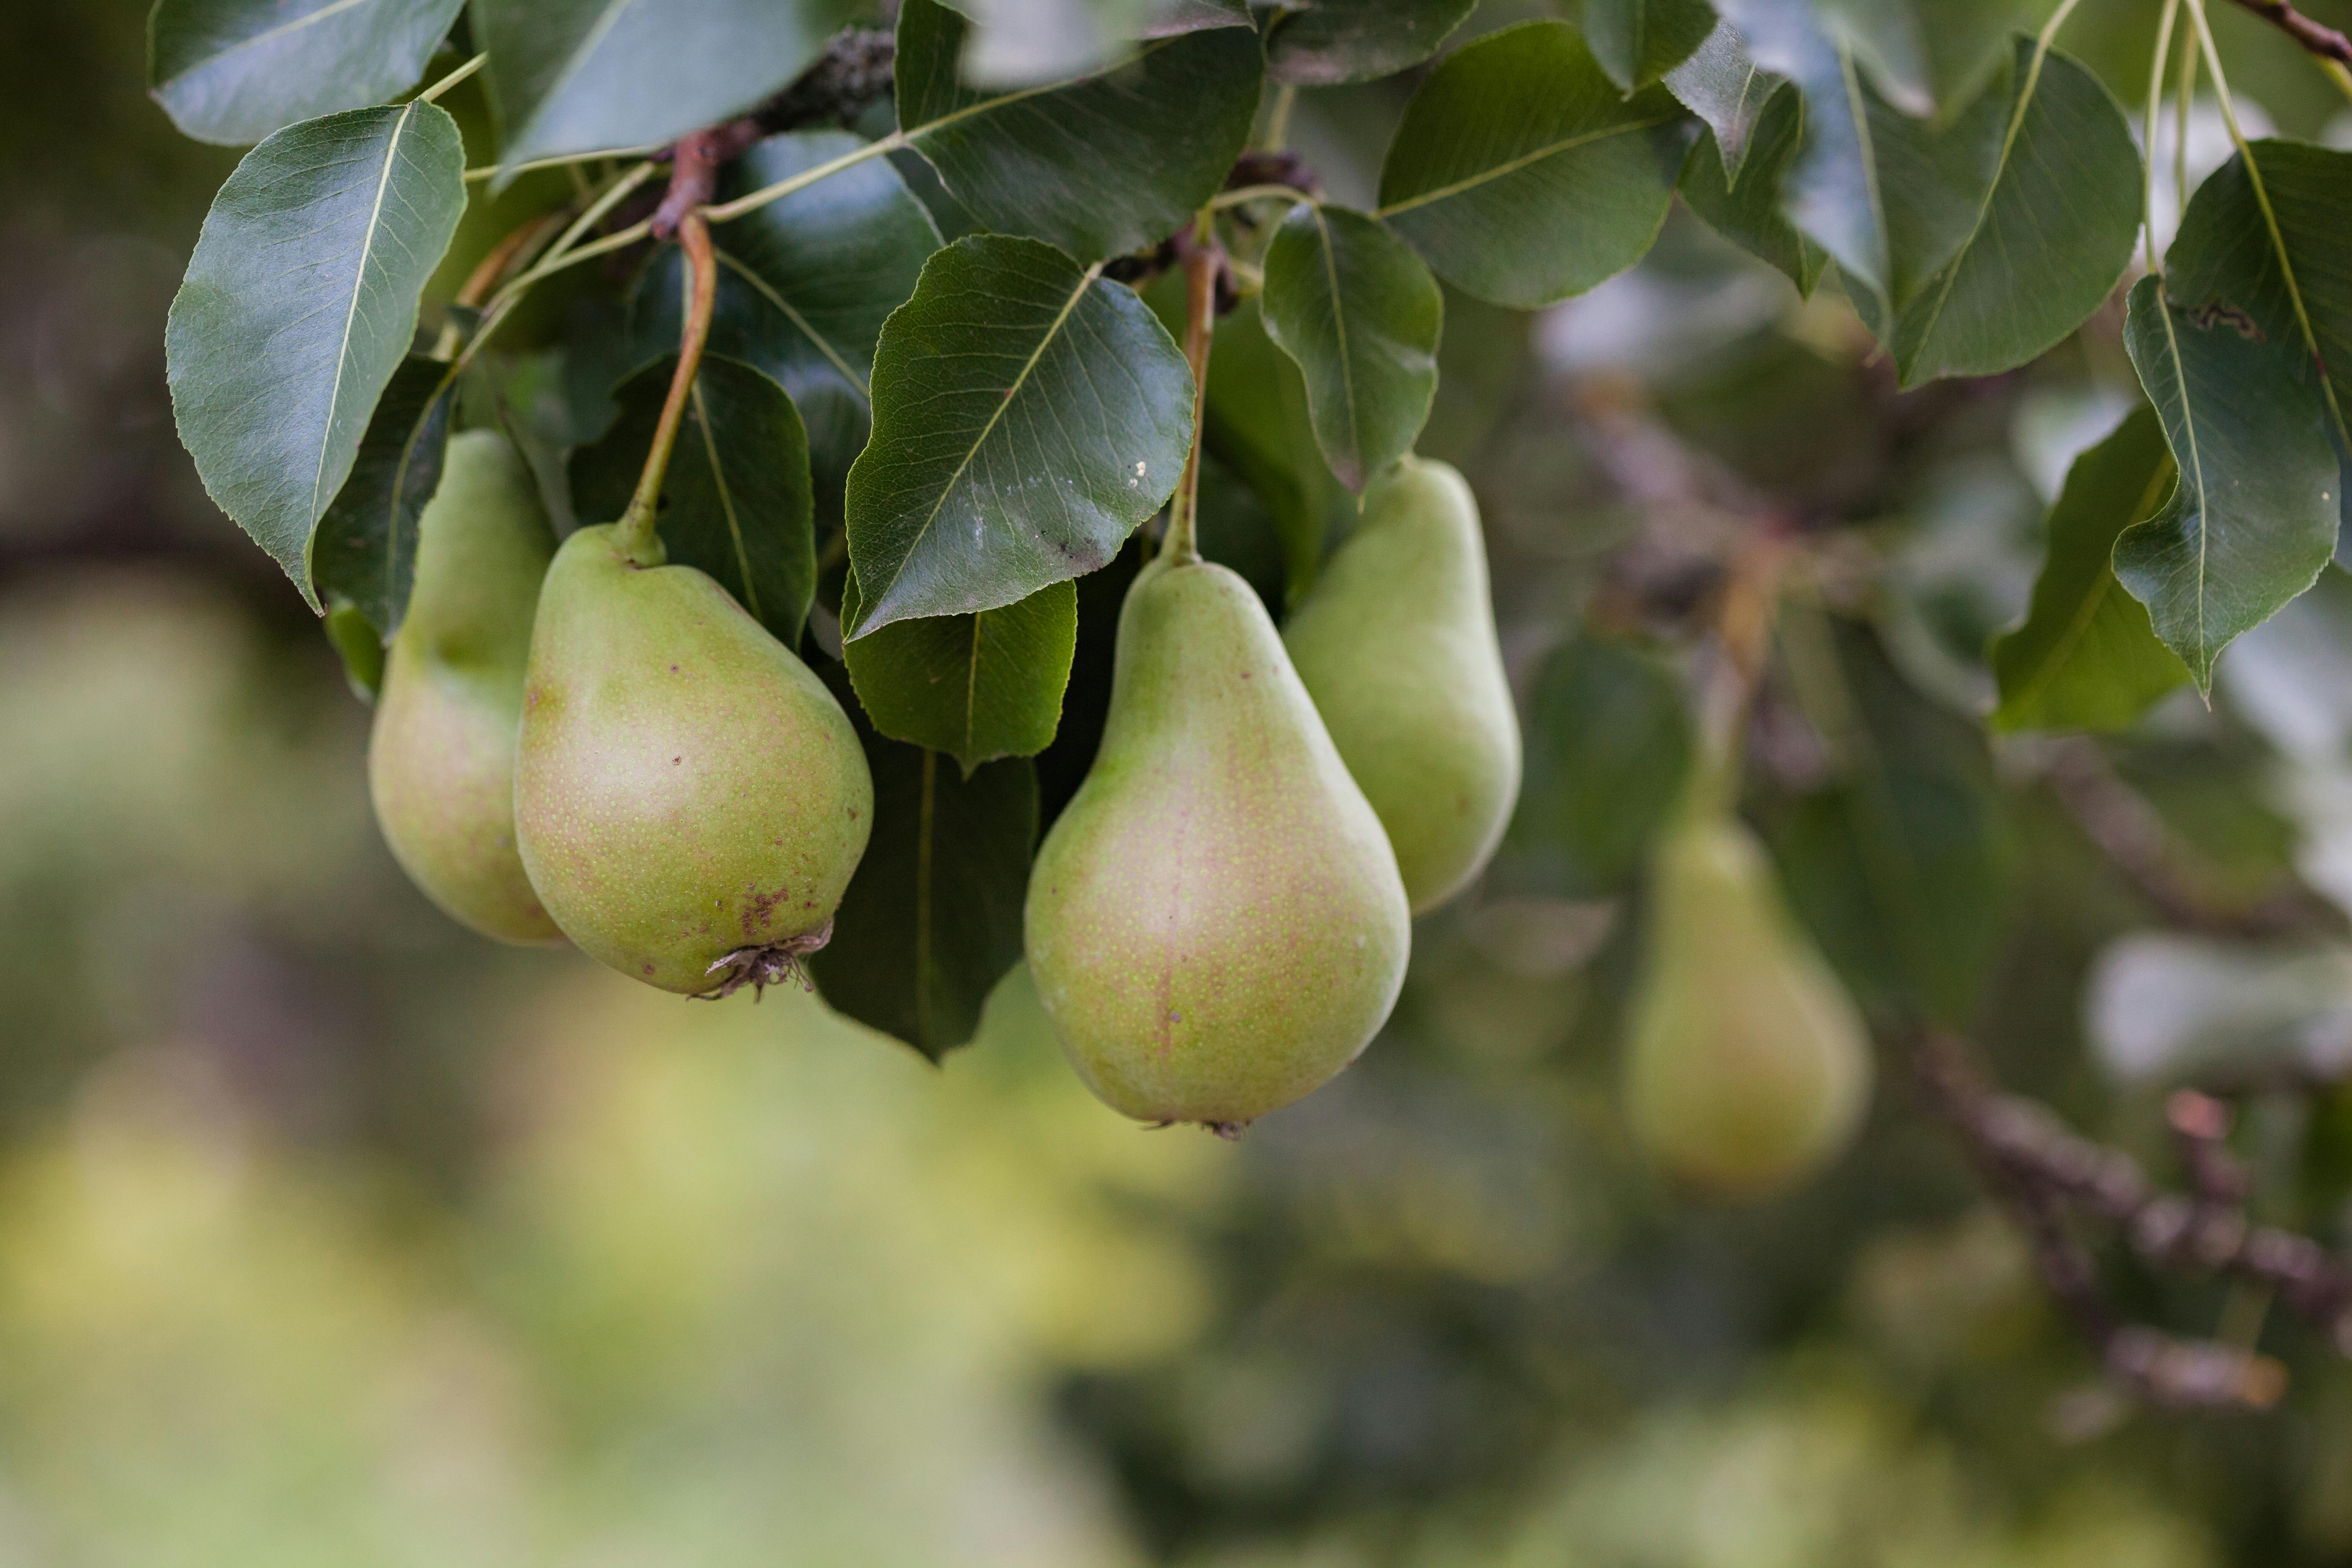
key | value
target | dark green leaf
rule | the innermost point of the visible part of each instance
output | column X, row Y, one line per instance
column 1360, row 315
column 235, row 71
column 366, row 548
column 1521, row 172
column 1723, row 85
column 1891, row 198
column 301, row 302
column 1027, row 414
column 735, row 502
column 1748, row 214
column 1609, row 747
column 2223, row 259
column 977, row 687
column 1258, row 426
column 1334, row 41
column 805, row 285
column 2253, row 518
column 2051, row 234
column 2085, row 657
column 932, row 918
column 1115, row 161
column 576, row 76
column 1639, row 41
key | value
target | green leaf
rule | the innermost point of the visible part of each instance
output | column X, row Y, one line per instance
column 735, row 502
column 1360, row 315
column 1112, row 161
column 2053, row 231
column 2085, row 657
column 235, row 70
column 2223, row 259
column 300, row 303
column 977, row 687
column 359, row 644
column 1748, row 214
column 578, row 76
column 1723, row 85
column 1027, row 414
column 2253, row 518
column 805, row 285
column 1258, row 424
column 1609, row 747
column 933, row 917
column 1890, row 198
column 366, row 550
column 1639, row 41
column 1523, row 175
column 1334, row 41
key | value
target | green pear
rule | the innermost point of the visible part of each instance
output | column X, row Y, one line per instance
column 441, row 758
column 1748, row 1068
column 1215, row 924
column 1397, row 647
column 690, row 799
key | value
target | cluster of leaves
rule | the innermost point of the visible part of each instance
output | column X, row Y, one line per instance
column 932, row 415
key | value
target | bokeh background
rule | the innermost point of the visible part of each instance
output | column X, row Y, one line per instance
column 329, row 1234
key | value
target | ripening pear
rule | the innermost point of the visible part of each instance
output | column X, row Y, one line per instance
column 1215, row 924
column 1397, row 647
column 1749, row 1066
column 441, row 759
column 691, row 801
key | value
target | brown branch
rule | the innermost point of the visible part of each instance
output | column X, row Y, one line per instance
column 2163, row 871
column 2323, row 41
column 2041, row 1170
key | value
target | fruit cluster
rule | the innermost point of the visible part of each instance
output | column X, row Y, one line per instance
column 587, row 743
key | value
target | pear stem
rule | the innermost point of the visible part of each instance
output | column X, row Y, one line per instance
column 1743, row 631
column 1202, row 256
column 639, row 539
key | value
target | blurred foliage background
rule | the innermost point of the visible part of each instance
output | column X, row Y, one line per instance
column 330, row 1234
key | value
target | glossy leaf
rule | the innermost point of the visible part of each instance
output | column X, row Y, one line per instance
column 805, row 285
column 235, row 71
column 1723, row 85
column 1891, row 198
column 1259, row 426
column 1112, row 161
column 366, row 548
column 735, row 501
column 2051, row 234
column 977, row 687
column 1335, row 41
column 2085, row 657
column 1360, row 315
column 1523, row 175
column 300, row 303
column 1637, row 42
column 2223, row 259
column 932, row 918
column 1749, row 212
column 1027, row 414
column 2253, row 518
column 575, row 76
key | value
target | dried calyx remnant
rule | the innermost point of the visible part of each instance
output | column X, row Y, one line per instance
column 774, row 964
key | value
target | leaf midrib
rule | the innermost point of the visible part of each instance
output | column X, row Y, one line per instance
column 351, row 317
column 1524, row 160
column 335, row 9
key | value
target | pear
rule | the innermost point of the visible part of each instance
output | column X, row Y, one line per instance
column 691, row 801
column 1397, row 647
column 1215, row 924
column 1748, row 1068
column 441, row 757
